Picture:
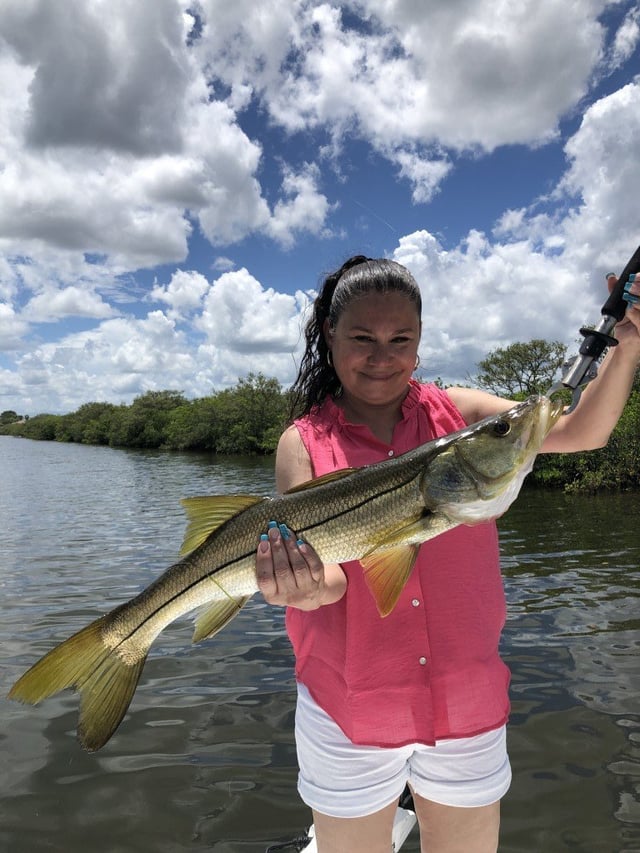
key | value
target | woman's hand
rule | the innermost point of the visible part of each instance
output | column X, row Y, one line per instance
column 590, row 425
column 290, row 573
column 628, row 329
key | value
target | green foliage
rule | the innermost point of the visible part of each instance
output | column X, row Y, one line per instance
column 249, row 418
column 614, row 467
column 246, row 419
column 192, row 426
column 40, row 427
column 144, row 422
column 521, row 369
column 90, row 424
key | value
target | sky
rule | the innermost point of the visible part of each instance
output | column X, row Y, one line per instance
column 176, row 179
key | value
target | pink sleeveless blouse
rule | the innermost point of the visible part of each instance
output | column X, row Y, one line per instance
column 431, row 669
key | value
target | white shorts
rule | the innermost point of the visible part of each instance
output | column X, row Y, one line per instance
column 342, row 779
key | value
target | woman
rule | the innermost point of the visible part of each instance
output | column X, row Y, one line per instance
column 422, row 695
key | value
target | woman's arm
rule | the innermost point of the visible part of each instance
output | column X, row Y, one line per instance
column 593, row 420
column 290, row 573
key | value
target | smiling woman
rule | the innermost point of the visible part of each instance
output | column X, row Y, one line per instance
column 374, row 348
column 429, row 707
column 362, row 343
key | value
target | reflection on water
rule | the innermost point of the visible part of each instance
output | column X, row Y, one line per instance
column 571, row 566
column 205, row 758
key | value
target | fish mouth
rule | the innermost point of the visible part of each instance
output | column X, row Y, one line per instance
column 557, row 408
column 549, row 413
column 552, row 411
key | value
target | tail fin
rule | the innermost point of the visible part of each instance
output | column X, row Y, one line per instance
column 106, row 683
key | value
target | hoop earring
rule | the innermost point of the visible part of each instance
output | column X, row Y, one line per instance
column 417, row 365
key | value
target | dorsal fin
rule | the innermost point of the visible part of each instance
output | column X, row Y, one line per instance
column 205, row 514
column 331, row 477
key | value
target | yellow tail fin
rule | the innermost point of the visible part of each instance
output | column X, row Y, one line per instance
column 106, row 683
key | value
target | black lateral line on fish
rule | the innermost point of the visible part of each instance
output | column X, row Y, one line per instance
column 219, row 568
column 364, row 502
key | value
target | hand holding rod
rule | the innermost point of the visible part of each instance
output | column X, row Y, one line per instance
column 615, row 306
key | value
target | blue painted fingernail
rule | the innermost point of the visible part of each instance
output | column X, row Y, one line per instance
column 632, row 277
column 631, row 298
column 272, row 524
column 263, row 537
column 299, row 542
column 284, row 531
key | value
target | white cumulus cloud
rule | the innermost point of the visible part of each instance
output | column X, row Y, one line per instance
column 161, row 159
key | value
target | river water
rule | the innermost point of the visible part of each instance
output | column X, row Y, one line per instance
column 205, row 758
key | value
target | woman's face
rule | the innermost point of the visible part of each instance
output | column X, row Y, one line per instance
column 374, row 347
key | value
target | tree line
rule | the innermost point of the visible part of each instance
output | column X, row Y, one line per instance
column 248, row 419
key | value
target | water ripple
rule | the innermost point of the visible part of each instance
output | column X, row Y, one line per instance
column 208, row 739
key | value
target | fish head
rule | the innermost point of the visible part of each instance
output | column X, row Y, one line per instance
column 478, row 471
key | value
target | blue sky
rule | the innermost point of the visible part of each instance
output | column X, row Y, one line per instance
column 176, row 177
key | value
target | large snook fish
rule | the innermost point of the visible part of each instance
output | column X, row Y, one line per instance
column 378, row 514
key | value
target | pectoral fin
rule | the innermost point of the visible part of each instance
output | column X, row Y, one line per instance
column 205, row 514
column 386, row 573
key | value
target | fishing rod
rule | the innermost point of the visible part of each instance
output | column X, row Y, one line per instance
column 583, row 368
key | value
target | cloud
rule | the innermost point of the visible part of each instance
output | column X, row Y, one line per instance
column 93, row 93
column 223, row 264
column 53, row 305
column 12, row 328
column 538, row 275
column 302, row 209
column 183, row 294
column 425, row 174
column 241, row 316
column 144, row 145
column 483, row 295
column 124, row 122
column 481, row 78
column 411, row 79
column 438, row 73
column 626, row 38
column 114, row 145
column 603, row 174
column 114, row 361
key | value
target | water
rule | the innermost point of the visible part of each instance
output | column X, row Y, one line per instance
column 205, row 758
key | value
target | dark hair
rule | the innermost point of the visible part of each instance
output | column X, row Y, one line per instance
column 357, row 277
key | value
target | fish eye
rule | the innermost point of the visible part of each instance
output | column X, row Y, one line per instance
column 502, row 428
